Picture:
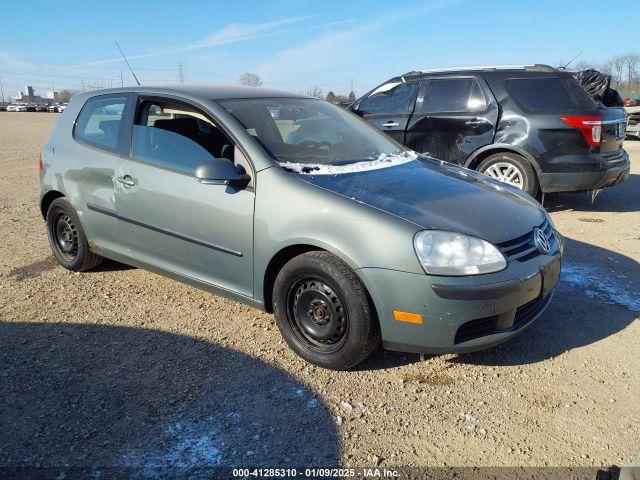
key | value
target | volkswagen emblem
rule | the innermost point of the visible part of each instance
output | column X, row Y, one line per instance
column 540, row 241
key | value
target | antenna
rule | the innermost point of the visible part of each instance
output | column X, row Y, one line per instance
column 571, row 61
column 127, row 62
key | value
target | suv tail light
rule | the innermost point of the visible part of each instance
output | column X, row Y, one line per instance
column 40, row 160
column 590, row 126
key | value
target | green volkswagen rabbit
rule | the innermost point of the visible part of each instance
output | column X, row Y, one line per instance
column 297, row 207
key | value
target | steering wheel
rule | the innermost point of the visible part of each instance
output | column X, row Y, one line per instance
column 314, row 144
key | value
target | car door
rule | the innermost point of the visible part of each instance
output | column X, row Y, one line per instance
column 389, row 107
column 94, row 157
column 200, row 231
column 453, row 117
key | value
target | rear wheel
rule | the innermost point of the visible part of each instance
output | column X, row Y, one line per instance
column 511, row 169
column 323, row 311
column 67, row 239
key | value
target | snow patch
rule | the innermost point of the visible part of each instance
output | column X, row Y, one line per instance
column 185, row 445
column 600, row 285
column 383, row 161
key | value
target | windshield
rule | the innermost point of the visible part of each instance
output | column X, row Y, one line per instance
column 306, row 135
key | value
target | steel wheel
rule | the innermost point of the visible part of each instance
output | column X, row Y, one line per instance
column 317, row 315
column 66, row 236
column 506, row 172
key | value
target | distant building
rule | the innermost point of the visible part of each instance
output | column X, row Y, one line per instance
column 51, row 95
column 28, row 95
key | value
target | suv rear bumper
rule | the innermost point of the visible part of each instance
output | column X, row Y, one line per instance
column 609, row 173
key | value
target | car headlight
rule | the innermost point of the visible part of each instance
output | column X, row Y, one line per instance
column 450, row 253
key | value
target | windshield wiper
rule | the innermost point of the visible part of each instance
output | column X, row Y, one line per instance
column 303, row 168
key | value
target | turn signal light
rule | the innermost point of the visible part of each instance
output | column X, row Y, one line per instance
column 407, row 317
column 40, row 160
column 590, row 126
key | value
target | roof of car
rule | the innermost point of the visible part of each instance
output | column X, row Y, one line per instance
column 205, row 91
column 486, row 68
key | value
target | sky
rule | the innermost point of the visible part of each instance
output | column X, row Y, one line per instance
column 294, row 45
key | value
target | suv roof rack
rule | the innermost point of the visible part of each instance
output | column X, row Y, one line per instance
column 537, row 67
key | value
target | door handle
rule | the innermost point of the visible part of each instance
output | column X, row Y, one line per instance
column 475, row 121
column 127, row 181
column 391, row 123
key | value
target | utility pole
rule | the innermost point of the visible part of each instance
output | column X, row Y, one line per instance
column 180, row 72
column 1, row 90
column 121, row 80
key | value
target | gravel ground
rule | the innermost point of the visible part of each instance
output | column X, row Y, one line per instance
column 121, row 367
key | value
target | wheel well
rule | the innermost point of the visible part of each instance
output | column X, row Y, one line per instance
column 275, row 265
column 48, row 198
column 280, row 259
column 481, row 156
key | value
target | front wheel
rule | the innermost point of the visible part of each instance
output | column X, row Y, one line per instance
column 511, row 169
column 324, row 312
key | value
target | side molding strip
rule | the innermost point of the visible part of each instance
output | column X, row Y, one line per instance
column 171, row 233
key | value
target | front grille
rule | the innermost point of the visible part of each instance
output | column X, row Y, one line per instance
column 482, row 327
column 523, row 248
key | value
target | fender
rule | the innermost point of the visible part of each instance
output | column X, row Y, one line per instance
column 501, row 147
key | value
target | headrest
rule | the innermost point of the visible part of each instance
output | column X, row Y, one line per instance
column 110, row 127
column 187, row 127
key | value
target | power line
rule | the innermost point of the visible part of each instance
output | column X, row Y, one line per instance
column 180, row 72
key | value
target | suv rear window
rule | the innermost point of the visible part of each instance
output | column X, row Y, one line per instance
column 550, row 94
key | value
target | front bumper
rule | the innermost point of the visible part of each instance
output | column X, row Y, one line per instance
column 607, row 173
column 461, row 314
column 633, row 130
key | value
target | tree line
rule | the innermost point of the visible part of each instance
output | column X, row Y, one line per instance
column 249, row 79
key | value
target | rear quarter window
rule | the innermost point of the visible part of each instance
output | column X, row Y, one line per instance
column 550, row 94
column 99, row 122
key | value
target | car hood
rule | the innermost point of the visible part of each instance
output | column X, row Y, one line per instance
column 440, row 196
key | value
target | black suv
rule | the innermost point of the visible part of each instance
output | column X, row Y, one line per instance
column 533, row 127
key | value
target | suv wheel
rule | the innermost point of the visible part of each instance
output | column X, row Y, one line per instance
column 324, row 312
column 67, row 239
column 512, row 169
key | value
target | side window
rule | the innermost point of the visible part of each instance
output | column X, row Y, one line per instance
column 451, row 95
column 99, row 122
column 177, row 136
column 550, row 94
column 392, row 97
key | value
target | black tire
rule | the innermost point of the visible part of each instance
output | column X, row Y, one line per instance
column 67, row 239
column 345, row 332
column 529, row 178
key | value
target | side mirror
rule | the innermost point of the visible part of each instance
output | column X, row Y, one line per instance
column 220, row 171
column 355, row 108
